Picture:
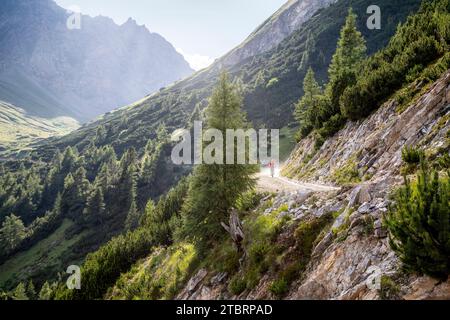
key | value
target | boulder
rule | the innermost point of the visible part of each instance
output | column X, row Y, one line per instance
column 365, row 208
column 195, row 280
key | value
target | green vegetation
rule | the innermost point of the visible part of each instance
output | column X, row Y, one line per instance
column 279, row 287
column 158, row 277
column 53, row 250
column 346, row 62
column 418, row 43
column 103, row 267
column 215, row 188
column 288, row 142
column 319, row 109
column 268, row 254
column 310, row 108
column 412, row 155
column 389, row 289
column 98, row 193
column 419, row 224
column 347, row 174
column 12, row 233
column 237, row 285
column 18, row 129
column 417, row 53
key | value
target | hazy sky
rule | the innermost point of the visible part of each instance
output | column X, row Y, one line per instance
column 201, row 30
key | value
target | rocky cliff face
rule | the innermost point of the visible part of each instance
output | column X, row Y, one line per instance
column 353, row 259
column 51, row 70
column 275, row 29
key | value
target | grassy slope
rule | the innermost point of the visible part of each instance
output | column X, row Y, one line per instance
column 46, row 254
column 17, row 88
column 17, row 129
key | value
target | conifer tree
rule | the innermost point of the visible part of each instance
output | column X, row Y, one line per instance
column 128, row 178
column 419, row 224
column 214, row 188
column 31, row 291
column 20, row 293
column 350, row 52
column 46, row 292
column 12, row 233
column 69, row 160
column 308, row 109
column 75, row 192
column 95, row 206
column 133, row 217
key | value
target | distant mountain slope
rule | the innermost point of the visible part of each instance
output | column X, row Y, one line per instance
column 18, row 130
column 311, row 45
column 50, row 70
column 280, row 25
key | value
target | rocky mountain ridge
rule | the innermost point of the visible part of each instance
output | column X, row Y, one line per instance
column 290, row 17
column 353, row 259
column 51, row 70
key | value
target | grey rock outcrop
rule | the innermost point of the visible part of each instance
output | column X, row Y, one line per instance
column 275, row 29
column 351, row 259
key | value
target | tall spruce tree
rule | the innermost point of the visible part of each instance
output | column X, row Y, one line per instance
column 46, row 292
column 214, row 188
column 12, row 233
column 133, row 217
column 350, row 52
column 95, row 206
column 20, row 292
column 308, row 109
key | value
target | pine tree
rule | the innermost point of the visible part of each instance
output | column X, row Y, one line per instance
column 100, row 135
column 75, row 192
column 419, row 224
column 20, row 293
column 95, row 206
column 46, row 292
column 307, row 110
column 69, row 160
column 31, row 291
column 350, row 52
column 214, row 188
column 133, row 217
column 128, row 178
column 12, row 233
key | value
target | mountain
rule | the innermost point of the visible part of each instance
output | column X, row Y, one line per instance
column 274, row 30
column 366, row 238
column 137, row 135
column 50, row 70
column 311, row 45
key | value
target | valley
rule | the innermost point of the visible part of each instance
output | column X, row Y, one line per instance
column 357, row 210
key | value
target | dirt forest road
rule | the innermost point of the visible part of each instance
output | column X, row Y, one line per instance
column 278, row 184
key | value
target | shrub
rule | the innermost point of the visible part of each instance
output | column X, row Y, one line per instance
column 389, row 290
column 248, row 201
column 279, row 287
column 412, row 155
column 347, row 174
column 237, row 285
column 419, row 224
